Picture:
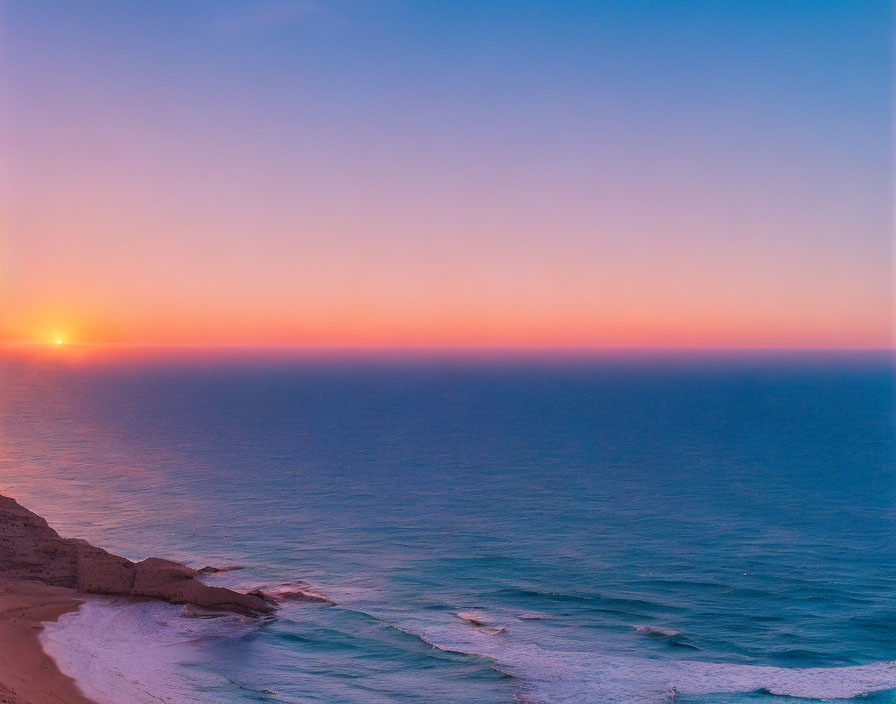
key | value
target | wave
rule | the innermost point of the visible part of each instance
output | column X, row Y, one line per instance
column 479, row 620
column 134, row 652
column 561, row 676
column 119, row 651
column 298, row 590
column 657, row 631
column 600, row 603
column 555, row 676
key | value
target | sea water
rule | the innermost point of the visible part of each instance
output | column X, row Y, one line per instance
column 626, row 528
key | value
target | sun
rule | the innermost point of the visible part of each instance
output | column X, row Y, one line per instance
column 58, row 340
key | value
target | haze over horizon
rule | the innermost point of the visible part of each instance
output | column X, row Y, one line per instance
column 393, row 173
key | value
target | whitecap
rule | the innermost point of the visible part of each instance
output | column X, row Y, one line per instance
column 657, row 631
column 571, row 677
column 119, row 651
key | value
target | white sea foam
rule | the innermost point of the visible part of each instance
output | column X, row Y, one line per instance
column 656, row 631
column 133, row 652
column 126, row 652
column 573, row 677
column 299, row 590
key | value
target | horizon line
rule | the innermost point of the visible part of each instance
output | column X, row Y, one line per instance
column 424, row 347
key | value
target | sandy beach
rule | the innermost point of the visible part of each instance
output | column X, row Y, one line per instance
column 41, row 577
column 27, row 674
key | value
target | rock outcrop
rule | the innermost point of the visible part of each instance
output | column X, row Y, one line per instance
column 296, row 591
column 30, row 549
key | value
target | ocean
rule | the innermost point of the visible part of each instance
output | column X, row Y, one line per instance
column 622, row 528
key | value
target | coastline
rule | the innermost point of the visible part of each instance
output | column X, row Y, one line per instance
column 28, row 675
column 43, row 576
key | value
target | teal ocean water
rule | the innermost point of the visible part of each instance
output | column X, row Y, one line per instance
column 622, row 529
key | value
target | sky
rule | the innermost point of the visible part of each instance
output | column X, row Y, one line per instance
column 456, row 173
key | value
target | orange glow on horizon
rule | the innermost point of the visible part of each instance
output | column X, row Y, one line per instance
column 510, row 329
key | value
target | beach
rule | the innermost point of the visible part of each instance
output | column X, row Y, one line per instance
column 42, row 576
column 27, row 674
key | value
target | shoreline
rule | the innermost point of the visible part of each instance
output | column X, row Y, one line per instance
column 28, row 675
column 43, row 575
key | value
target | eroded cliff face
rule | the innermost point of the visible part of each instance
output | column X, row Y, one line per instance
column 30, row 549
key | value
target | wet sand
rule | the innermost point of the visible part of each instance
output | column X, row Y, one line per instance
column 27, row 674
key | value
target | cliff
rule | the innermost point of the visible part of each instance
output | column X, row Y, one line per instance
column 31, row 550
